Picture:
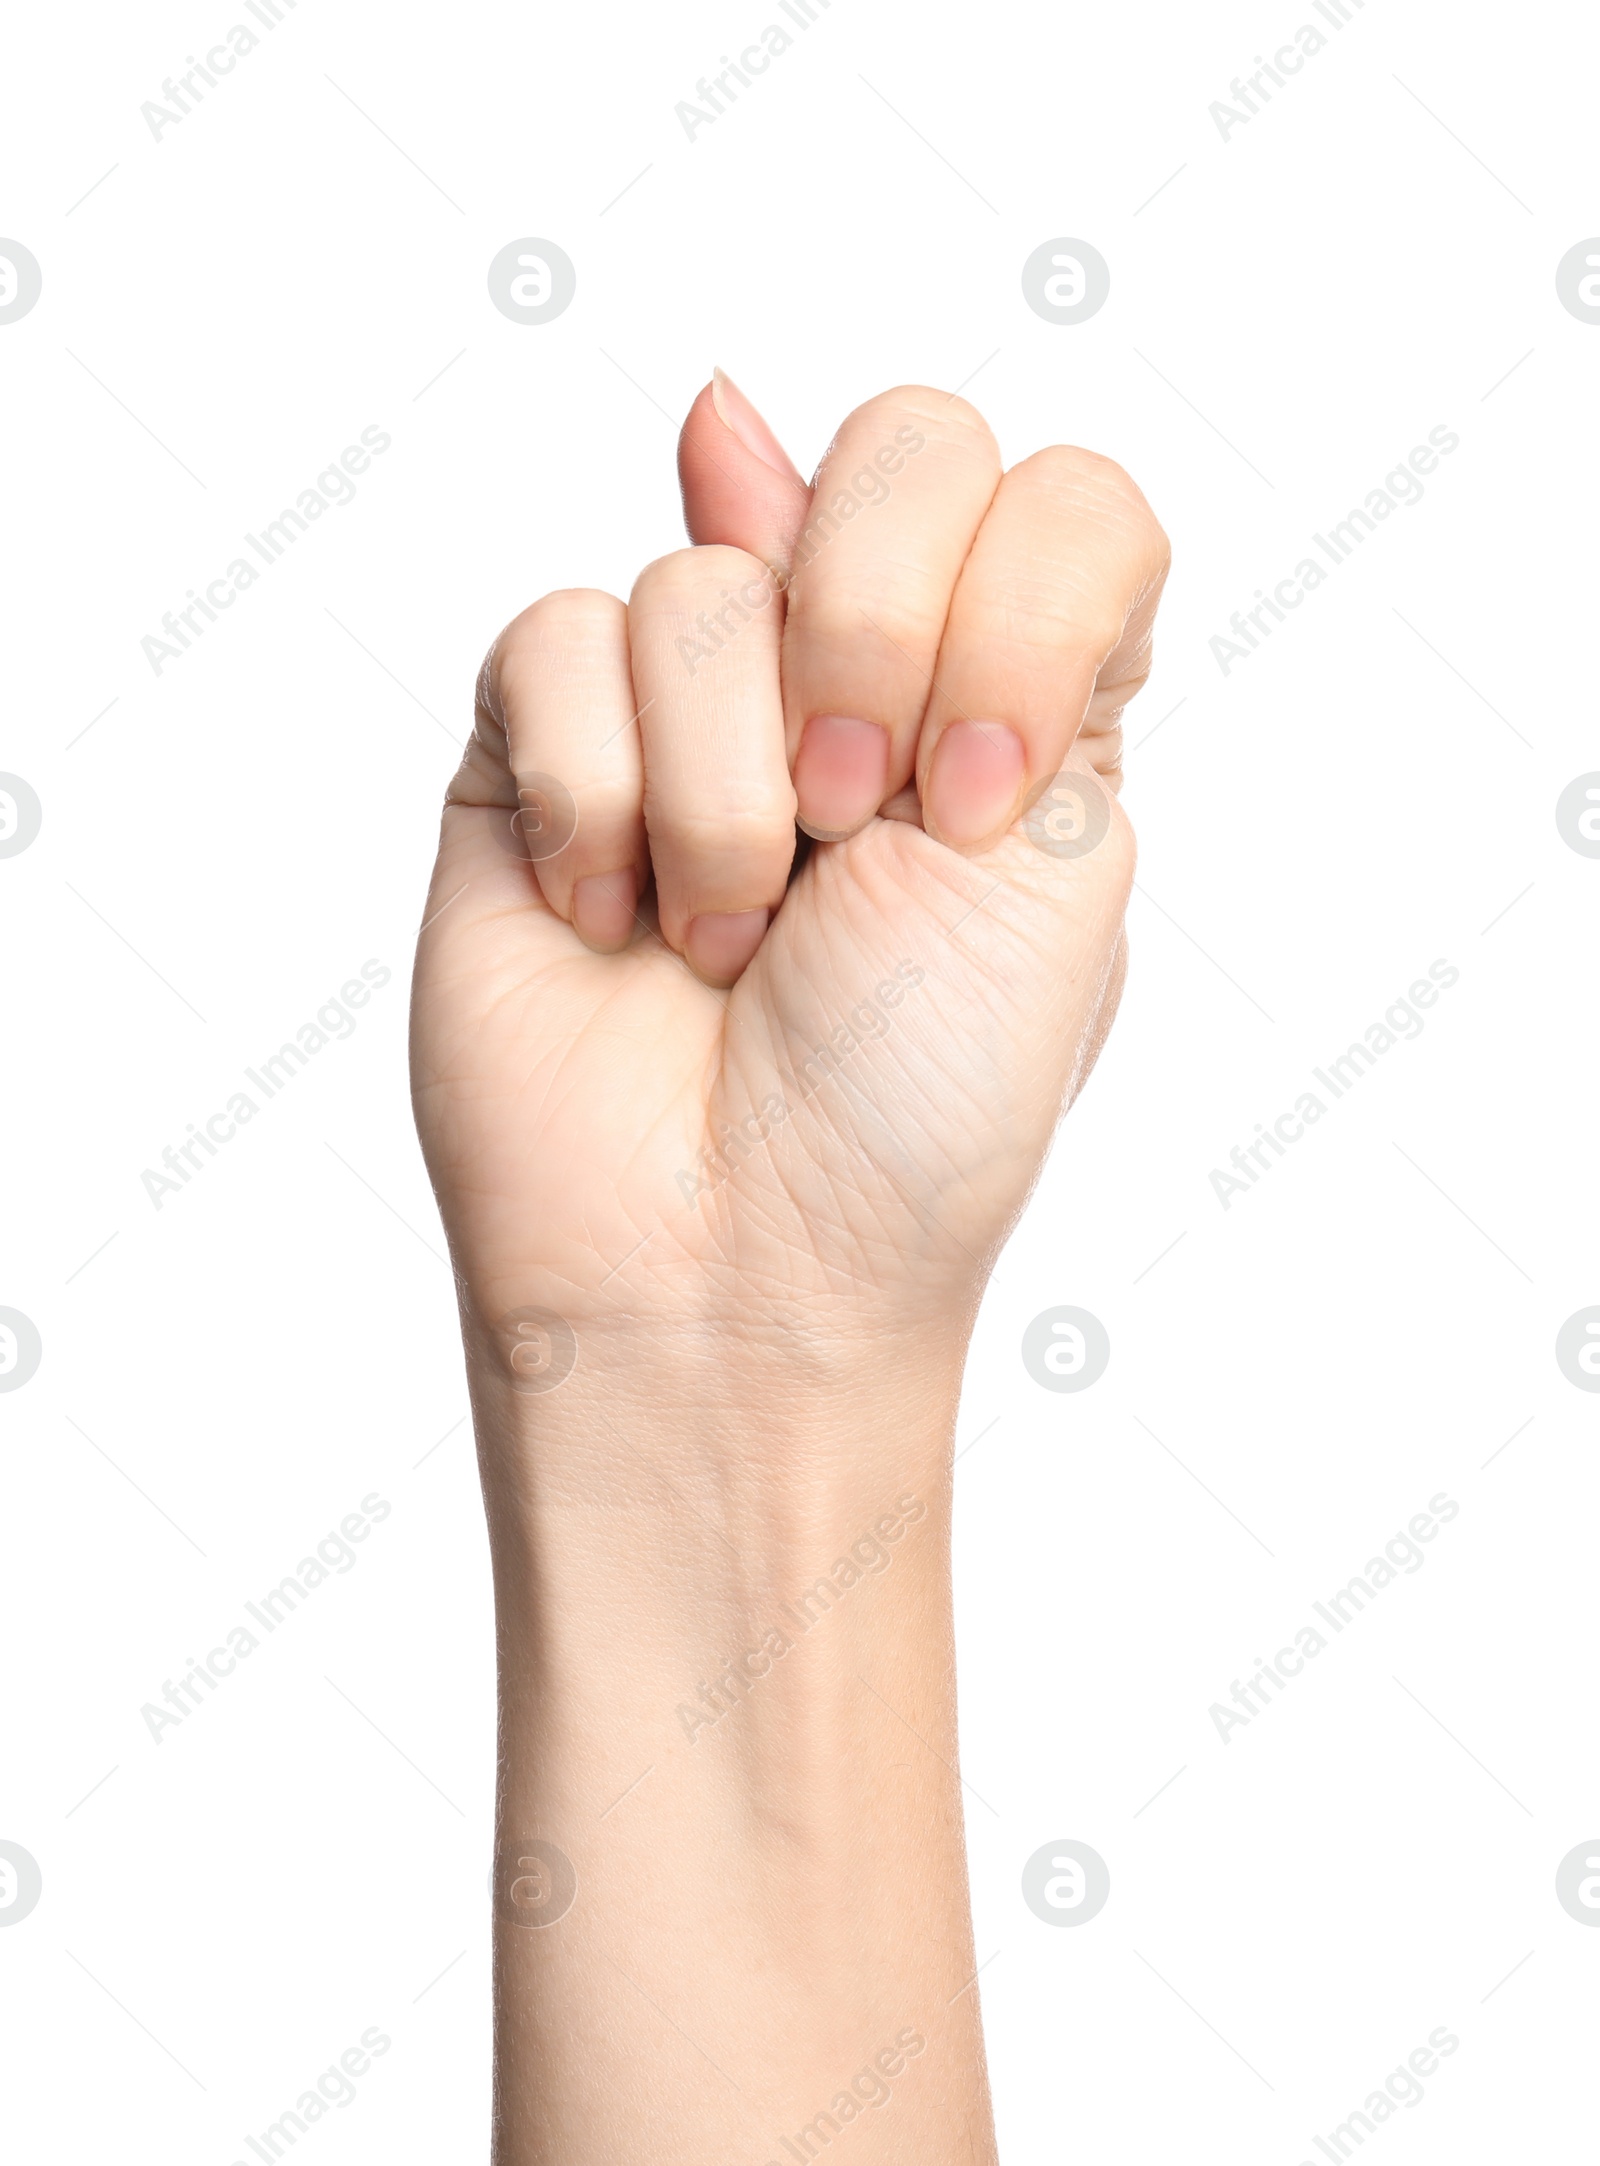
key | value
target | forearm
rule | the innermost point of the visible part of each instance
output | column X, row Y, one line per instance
column 723, row 1599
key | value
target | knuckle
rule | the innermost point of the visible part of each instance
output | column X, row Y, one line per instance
column 1098, row 631
column 1045, row 620
column 569, row 617
column 568, row 614
column 610, row 830
column 887, row 610
column 921, row 410
column 684, row 577
column 733, row 836
column 1089, row 481
column 1079, row 475
column 1079, row 485
column 737, row 816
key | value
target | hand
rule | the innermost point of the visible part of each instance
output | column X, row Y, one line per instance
column 664, row 1077
column 741, row 1128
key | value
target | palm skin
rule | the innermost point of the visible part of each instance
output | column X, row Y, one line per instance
column 565, row 1099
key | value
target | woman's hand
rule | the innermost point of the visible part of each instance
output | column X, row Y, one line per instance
column 725, row 1150
column 666, row 1081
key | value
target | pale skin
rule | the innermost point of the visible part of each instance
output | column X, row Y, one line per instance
column 756, row 1137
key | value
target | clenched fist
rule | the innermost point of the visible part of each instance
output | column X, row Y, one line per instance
column 675, row 1064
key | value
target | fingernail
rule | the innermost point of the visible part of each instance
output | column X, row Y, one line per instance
column 718, row 945
column 974, row 783
column 603, row 905
column 840, row 774
column 736, row 413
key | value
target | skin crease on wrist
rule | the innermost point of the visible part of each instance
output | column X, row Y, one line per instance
column 726, row 1139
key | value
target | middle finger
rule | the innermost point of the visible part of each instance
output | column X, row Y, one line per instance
column 899, row 497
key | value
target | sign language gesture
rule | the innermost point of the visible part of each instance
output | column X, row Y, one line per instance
column 663, row 1068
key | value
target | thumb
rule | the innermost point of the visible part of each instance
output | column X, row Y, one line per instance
column 739, row 484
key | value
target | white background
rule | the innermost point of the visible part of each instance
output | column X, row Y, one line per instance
column 224, row 845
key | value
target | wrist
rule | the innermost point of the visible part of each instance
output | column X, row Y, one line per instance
column 710, row 1550
column 762, row 1408
column 701, row 1516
